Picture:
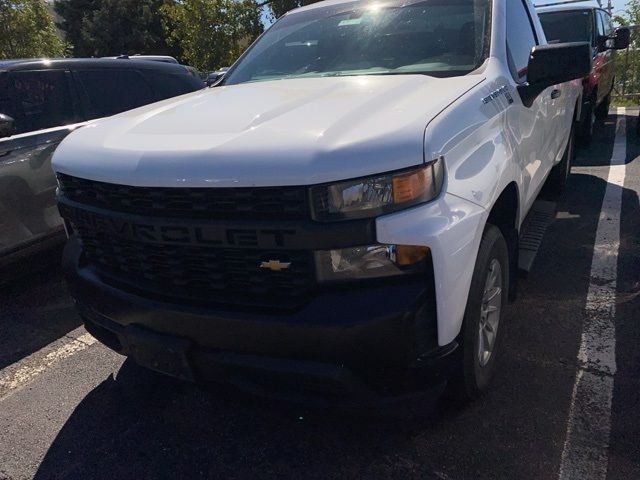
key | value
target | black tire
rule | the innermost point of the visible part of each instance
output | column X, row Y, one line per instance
column 557, row 180
column 602, row 110
column 587, row 123
column 473, row 378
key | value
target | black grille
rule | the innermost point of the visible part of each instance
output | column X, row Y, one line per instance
column 201, row 275
column 258, row 203
column 196, row 274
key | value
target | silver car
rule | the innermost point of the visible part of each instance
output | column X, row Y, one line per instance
column 41, row 101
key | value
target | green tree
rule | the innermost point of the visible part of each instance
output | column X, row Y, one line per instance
column 211, row 33
column 113, row 27
column 628, row 62
column 72, row 14
column 280, row 7
column 27, row 30
column 125, row 27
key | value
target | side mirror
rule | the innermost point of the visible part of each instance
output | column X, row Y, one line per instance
column 6, row 126
column 553, row 64
column 621, row 38
column 215, row 77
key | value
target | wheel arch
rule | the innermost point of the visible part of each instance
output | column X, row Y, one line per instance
column 505, row 214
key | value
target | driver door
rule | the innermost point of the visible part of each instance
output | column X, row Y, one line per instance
column 530, row 127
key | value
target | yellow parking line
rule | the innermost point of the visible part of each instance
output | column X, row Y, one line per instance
column 18, row 375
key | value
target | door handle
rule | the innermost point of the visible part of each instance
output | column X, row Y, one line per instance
column 555, row 93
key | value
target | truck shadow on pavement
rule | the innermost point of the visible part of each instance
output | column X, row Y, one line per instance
column 598, row 152
column 35, row 307
column 144, row 425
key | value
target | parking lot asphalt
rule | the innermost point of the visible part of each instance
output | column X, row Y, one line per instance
column 72, row 409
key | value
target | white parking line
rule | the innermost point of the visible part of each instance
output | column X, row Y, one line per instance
column 18, row 375
column 585, row 454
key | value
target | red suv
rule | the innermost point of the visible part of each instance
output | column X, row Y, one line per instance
column 566, row 23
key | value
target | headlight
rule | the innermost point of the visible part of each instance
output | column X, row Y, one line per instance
column 371, row 261
column 373, row 196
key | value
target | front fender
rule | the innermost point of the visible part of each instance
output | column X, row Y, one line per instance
column 452, row 228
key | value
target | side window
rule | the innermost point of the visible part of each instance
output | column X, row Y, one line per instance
column 520, row 38
column 600, row 24
column 114, row 91
column 606, row 20
column 6, row 99
column 37, row 100
column 170, row 85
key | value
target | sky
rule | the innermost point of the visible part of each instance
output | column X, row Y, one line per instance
column 619, row 5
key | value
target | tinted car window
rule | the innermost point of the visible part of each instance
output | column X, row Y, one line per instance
column 114, row 91
column 172, row 85
column 606, row 20
column 601, row 31
column 37, row 100
column 520, row 38
column 6, row 104
column 572, row 26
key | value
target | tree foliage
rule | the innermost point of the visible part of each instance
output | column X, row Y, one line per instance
column 125, row 27
column 113, row 27
column 27, row 30
column 211, row 33
column 280, row 7
column 628, row 62
column 72, row 14
column 207, row 34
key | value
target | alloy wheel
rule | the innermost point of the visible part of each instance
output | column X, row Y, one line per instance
column 490, row 313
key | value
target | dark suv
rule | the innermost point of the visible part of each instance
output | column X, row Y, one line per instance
column 41, row 101
column 566, row 23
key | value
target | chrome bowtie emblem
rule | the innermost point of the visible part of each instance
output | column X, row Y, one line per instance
column 275, row 265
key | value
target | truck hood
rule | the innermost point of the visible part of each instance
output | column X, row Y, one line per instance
column 286, row 132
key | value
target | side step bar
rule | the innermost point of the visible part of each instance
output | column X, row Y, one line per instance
column 540, row 216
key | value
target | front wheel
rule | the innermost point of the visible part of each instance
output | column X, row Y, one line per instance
column 482, row 327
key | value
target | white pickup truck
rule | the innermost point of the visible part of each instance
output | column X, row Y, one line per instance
column 339, row 217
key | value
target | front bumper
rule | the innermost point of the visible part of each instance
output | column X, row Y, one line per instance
column 352, row 345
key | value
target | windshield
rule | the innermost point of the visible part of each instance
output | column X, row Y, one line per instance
column 570, row 26
column 433, row 37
